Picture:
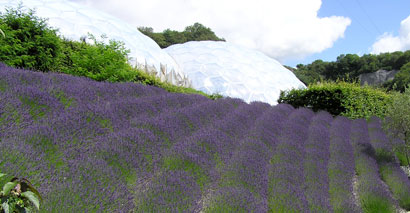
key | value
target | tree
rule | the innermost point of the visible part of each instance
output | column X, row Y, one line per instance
column 168, row 37
column 173, row 37
column 401, row 79
column 397, row 121
column 198, row 32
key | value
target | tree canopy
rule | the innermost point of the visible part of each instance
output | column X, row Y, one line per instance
column 168, row 37
column 350, row 66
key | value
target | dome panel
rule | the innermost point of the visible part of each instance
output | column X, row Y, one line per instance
column 244, row 73
column 75, row 21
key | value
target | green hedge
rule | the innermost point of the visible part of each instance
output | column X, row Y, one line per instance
column 339, row 98
column 28, row 42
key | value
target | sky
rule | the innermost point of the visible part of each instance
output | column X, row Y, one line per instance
column 290, row 31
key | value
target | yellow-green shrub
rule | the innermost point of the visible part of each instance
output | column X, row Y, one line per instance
column 339, row 98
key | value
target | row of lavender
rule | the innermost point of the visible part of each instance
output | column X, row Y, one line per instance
column 94, row 146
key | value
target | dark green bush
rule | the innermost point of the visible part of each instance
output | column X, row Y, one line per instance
column 340, row 98
column 195, row 32
column 28, row 43
column 99, row 61
column 401, row 79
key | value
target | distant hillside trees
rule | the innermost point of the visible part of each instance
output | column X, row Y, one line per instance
column 350, row 66
column 401, row 80
column 166, row 38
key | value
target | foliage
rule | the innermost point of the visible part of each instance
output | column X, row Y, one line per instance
column 195, row 32
column 397, row 121
column 28, row 42
column 401, row 79
column 340, row 98
column 350, row 66
column 18, row 195
column 99, row 61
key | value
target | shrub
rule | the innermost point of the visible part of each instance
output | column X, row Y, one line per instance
column 401, row 79
column 98, row 61
column 397, row 122
column 339, row 98
column 28, row 42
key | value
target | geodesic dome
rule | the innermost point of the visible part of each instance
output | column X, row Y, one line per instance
column 220, row 67
column 74, row 21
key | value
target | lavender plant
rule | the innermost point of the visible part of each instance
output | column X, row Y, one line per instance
column 315, row 164
column 373, row 195
column 341, row 169
column 104, row 147
column 390, row 170
column 286, row 173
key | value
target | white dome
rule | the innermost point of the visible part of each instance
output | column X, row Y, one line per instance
column 75, row 21
column 220, row 67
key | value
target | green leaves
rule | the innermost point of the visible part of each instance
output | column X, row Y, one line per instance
column 6, row 207
column 339, row 98
column 33, row 198
column 397, row 122
column 8, row 187
column 17, row 193
column 195, row 32
column 29, row 42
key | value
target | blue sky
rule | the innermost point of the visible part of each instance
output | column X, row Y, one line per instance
column 370, row 19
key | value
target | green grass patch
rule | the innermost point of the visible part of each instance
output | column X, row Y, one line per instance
column 129, row 174
column 3, row 85
column 176, row 163
column 371, row 203
column 52, row 152
column 221, row 206
column 11, row 115
column 63, row 99
column 396, row 185
column 36, row 110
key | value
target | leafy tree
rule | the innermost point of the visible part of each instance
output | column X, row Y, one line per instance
column 397, row 121
column 101, row 62
column 174, row 37
column 401, row 79
column 159, row 38
column 28, row 43
column 350, row 66
column 168, row 37
column 198, row 32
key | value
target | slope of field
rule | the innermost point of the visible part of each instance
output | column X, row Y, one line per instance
column 120, row 147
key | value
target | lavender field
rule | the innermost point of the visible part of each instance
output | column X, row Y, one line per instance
column 92, row 146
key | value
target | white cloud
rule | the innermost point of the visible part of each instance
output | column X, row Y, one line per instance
column 282, row 29
column 390, row 43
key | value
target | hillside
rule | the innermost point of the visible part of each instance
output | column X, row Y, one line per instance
column 351, row 66
column 120, row 147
